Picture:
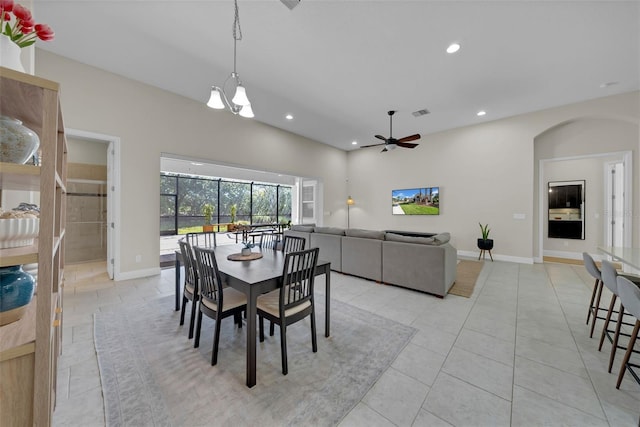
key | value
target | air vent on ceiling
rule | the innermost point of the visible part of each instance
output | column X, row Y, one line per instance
column 419, row 113
column 290, row 3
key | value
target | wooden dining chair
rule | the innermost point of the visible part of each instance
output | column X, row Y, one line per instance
column 190, row 291
column 293, row 244
column 293, row 301
column 216, row 301
column 205, row 239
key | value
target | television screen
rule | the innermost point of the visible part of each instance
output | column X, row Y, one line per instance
column 416, row 201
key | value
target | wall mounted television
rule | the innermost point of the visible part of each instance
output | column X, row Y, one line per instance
column 416, row 201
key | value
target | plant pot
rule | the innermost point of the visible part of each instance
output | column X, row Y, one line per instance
column 16, row 291
column 245, row 251
column 10, row 54
column 485, row 245
column 231, row 227
column 208, row 228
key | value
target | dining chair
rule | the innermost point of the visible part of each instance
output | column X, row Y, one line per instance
column 216, row 301
column 594, row 309
column 293, row 244
column 190, row 291
column 269, row 240
column 609, row 278
column 205, row 239
column 293, row 301
column 629, row 293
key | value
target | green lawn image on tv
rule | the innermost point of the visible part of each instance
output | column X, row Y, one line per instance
column 413, row 209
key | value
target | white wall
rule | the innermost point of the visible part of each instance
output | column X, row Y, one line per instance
column 150, row 121
column 486, row 173
column 88, row 152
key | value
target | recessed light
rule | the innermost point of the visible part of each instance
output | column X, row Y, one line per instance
column 288, row 117
column 354, row 143
column 607, row 84
column 453, row 48
column 481, row 113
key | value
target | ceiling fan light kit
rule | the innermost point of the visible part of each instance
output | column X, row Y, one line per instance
column 391, row 143
column 240, row 102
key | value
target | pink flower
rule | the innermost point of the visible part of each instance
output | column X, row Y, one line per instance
column 22, row 13
column 26, row 25
column 44, row 32
column 6, row 6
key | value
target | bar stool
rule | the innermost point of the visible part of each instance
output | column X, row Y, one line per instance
column 629, row 296
column 609, row 278
column 594, row 271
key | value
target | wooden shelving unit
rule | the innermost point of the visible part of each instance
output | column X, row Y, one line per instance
column 29, row 348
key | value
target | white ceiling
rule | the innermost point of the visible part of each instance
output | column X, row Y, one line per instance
column 338, row 66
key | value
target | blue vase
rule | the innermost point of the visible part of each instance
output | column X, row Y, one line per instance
column 16, row 291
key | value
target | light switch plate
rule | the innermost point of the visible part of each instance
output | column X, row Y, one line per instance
column 519, row 216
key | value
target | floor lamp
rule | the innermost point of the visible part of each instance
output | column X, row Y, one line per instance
column 349, row 203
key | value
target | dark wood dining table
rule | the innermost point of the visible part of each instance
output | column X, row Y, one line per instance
column 254, row 278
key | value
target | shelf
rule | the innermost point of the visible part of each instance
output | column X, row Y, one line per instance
column 18, row 333
column 19, row 256
column 19, row 177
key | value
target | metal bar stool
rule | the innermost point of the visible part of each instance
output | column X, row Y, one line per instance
column 594, row 309
column 629, row 293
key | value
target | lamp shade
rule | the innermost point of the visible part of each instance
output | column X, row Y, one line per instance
column 240, row 98
column 246, row 111
column 215, row 100
column 350, row 201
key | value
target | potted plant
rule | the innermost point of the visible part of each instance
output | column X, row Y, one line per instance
column 232, row 226
column 246, row 248
column 485, row 243
column 207, row 210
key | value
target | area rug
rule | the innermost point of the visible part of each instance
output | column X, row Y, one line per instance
column 152, row 376
column 467, row 273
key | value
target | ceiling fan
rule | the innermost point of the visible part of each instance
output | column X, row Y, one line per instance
column 391, row 143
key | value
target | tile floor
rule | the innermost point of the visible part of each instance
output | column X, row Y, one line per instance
column 516, row 353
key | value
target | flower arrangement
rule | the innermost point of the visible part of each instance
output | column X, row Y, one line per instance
column 17, row 23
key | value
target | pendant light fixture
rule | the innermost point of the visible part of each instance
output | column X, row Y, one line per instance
column 239, row 103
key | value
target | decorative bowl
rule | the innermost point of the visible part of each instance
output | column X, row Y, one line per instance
column 15, row 232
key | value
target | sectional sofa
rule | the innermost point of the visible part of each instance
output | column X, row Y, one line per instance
column 420, row 261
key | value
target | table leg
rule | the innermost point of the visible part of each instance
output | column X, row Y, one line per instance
column 327, row 291
column 251, row 338
column 177, row 292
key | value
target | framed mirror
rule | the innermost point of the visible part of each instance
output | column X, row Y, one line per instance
column 566, row 210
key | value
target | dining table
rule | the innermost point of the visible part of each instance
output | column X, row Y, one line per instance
column 253, row 278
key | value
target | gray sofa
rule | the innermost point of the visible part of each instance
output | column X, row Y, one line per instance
column 423, row 262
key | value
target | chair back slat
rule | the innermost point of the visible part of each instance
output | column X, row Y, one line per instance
column 269, row 240
column 293, row 244
column 205, row 239
column 297, row 278
column 209, row 275
column 190, row 273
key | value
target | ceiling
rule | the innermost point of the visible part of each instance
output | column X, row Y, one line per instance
column 338, row 66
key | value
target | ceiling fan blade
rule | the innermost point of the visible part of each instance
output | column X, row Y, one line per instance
column 410, row 138
column 381, row 137
column 372, row 145
column 406, row 144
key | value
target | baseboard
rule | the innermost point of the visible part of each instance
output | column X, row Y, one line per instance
column 497, row 257
column 136, row 274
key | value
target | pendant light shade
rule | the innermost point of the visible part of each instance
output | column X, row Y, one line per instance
column 246, row 111
column 240, row 98
column 215, row 100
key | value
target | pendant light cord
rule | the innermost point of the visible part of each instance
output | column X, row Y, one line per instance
column 237, row 33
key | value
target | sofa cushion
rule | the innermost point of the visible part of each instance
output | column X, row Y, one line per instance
column 330, row 230
column 303, row 228
column 393, row 237
column 442, row 238
column 365, row 234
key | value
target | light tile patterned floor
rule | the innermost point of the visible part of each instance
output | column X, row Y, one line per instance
column 516, row 353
